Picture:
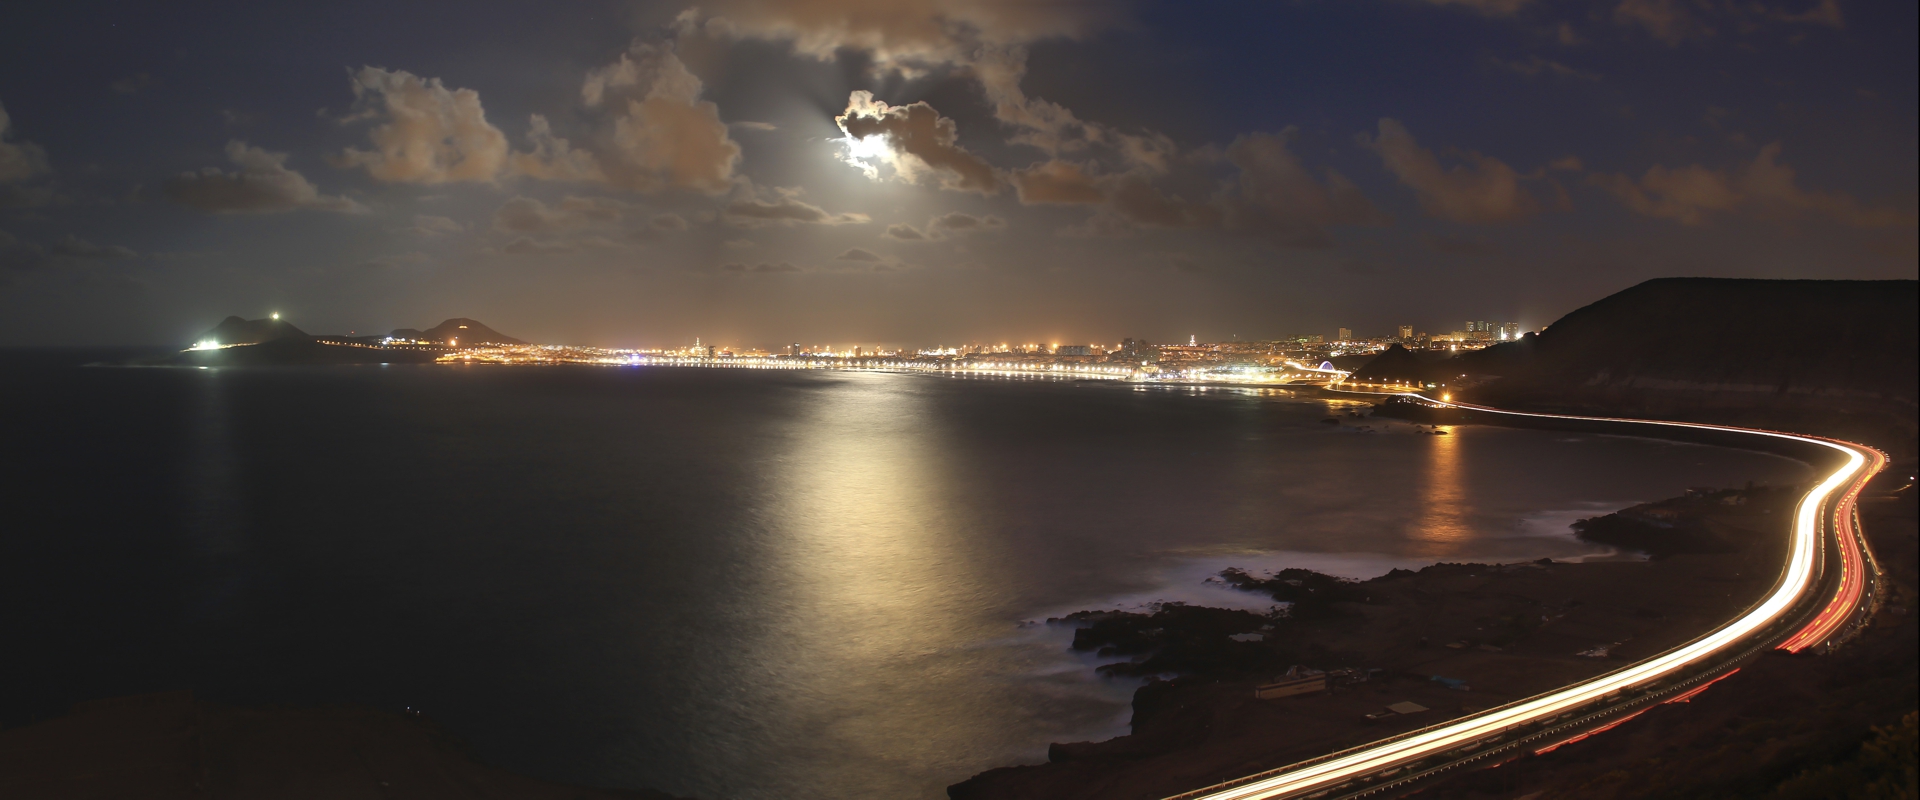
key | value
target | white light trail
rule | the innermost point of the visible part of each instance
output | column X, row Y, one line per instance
column 1799, row 577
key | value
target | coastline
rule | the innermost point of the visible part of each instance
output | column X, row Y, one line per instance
column 1194, row 727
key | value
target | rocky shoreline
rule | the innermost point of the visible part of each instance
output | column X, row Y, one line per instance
column 1443, row 641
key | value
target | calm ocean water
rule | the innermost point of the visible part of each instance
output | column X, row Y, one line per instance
column 723, row 583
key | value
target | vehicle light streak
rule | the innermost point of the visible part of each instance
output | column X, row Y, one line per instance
column 1798, row 578
column 1584, row 734
column 1687, row 696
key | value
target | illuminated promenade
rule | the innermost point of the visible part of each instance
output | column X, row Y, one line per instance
column 1822, row 595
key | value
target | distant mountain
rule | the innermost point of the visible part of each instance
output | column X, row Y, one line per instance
column 1723, row 349
column 458, row 329
column 234, row 330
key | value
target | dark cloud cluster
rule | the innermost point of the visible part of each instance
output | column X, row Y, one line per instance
column 262, row 184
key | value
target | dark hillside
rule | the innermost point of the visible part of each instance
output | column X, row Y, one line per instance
column 1723, row 349
column 234, row 330
column 1397, row 365
column 467, row 331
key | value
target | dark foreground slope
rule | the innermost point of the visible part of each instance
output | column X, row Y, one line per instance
column 1830, row 356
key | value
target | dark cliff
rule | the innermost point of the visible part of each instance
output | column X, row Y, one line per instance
column 1722, row 350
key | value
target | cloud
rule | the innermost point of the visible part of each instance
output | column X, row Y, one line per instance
column 1675, row 21
column 524, row 246
column 1055, row 181
column 904, row 232
column 1488, row 191
column 1280, row 200
column 753, row 208
column 915, row 141
column 431, row 226
column 75, row 247
column 1271, row 195
column 261, row 185
column 132, row 83
column 907, row 36
column 761, row 268
column 18, row 160
column 958, row 222
column 1691, row 194
column 1491, row 8
column 857, row 254
column 664, row 136
column 754, row 126
column 668, row 222
column 430, row 134
column 1055, row 129
column 1536, row 66
column 553, row 158
column 17, row 255
column 523, row 214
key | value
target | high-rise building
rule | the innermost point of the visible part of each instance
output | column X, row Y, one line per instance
column 1509, row 331
column 793, row 349
column 1346, row 334
column 1406, row 333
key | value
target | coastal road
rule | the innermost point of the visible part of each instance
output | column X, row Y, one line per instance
column 1824, row 591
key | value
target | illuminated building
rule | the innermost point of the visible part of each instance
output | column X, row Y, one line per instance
column 1346, row 335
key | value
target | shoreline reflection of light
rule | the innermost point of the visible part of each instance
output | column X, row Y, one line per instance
column 1443, row 523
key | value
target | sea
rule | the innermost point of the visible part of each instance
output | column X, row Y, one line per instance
column 720, row 583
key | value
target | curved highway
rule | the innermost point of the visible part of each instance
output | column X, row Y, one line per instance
column 1827, row 553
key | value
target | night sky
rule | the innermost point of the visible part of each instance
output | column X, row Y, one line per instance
column 934, row 171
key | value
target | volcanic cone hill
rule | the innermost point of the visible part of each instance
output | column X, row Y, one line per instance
column 1721, row 349
column 234, row 330
column 459, row 329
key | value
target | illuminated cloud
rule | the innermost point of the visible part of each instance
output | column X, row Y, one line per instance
column 857, row 254
column 1691, row 194
column 428, row 134
column 1484, row 190
column 906, row 36
column 664, row 136
column 261, row 185
column 553, row 158
column 915, row 141
column 1061, row 182
column 752, row 208
column 903, row 232
column 958, row 222
column 18, row 160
